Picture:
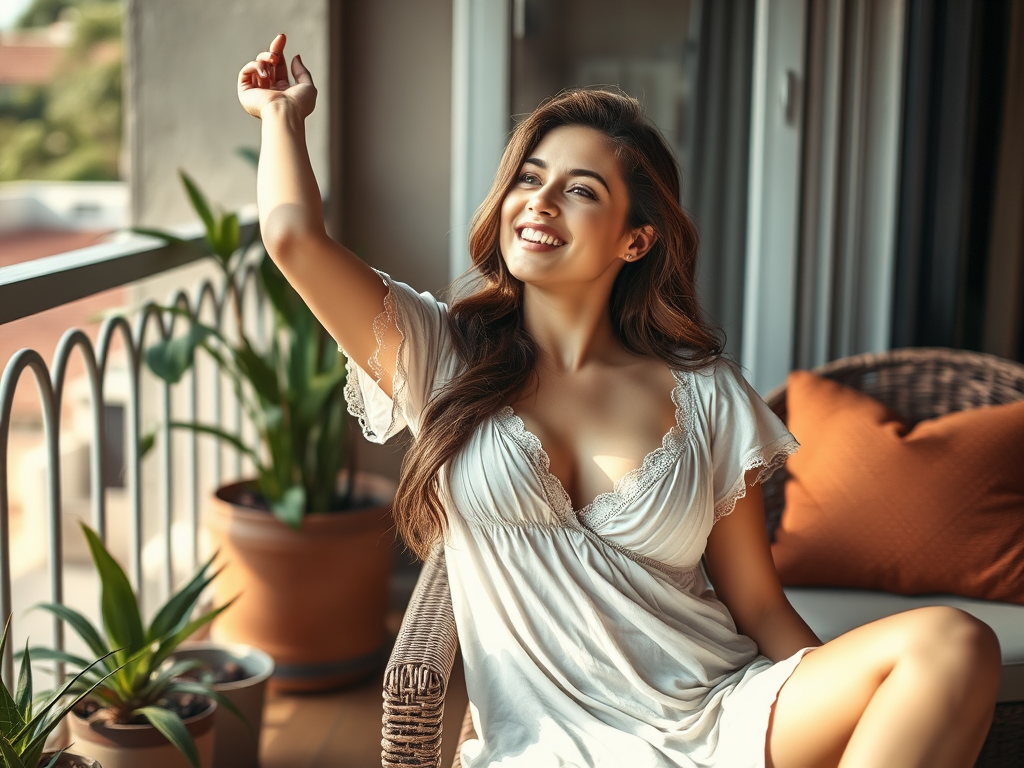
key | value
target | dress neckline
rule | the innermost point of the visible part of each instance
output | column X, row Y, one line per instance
column 628, row 487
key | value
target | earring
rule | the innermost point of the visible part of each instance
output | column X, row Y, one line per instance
column 629, row 257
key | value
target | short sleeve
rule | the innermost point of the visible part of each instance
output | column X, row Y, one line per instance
column 423, row 354
column 744, row 434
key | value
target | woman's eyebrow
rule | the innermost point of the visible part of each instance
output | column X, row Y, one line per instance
column 574, row 172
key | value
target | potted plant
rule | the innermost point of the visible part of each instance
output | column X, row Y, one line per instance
column 309, row 538
column 25, row 727
column 240, row 674
column 142, row 711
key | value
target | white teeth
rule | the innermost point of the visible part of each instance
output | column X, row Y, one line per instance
column 533, row 236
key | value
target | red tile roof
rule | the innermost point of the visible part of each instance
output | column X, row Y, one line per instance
column 28, row 64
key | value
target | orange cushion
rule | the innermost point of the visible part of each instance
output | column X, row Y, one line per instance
column 872, row 504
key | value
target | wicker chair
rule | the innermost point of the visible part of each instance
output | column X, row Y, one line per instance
column 916, row 383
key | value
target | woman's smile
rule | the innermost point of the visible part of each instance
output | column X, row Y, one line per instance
column 569, row 205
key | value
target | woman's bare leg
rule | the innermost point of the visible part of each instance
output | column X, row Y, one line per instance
column 912, row 690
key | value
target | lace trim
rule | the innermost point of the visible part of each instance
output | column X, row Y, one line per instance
column 769, row 458
column 626, row 490
column 391, row 313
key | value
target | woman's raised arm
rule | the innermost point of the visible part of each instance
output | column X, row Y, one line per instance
column 342, row 291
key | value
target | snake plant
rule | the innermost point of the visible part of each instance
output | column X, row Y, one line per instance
column 135, row 680
column 26, row 720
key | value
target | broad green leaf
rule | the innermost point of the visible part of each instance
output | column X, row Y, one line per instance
column 82, row 626
column 283, row 297
column 118, row 604
column 202, row 208
column 291, row 507
column 173, row 729
column 262, row 377
column 175, row 612
column 170, row 359
column 229, row 235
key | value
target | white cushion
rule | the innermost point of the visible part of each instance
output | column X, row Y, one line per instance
column 831, row 612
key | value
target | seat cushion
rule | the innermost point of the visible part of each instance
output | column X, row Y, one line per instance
column 832, row 612
column 872, row 503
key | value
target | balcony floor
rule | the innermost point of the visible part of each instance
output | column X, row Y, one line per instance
column 342, row 729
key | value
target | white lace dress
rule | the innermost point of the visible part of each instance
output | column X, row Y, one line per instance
column 591, row 637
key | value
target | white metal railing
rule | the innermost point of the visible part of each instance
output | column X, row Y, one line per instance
column 35, row 286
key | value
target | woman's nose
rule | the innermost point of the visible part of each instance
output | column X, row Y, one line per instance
column 541, row 202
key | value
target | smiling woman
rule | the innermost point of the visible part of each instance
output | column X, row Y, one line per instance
column 580, row 446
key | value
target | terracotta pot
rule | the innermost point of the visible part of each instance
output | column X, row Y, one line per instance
column 132, row 746
column 70, row 760
column 314, row 599
column 237, row 744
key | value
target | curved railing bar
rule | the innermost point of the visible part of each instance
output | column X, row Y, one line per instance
column 71, row 339
column 30, row 359
column 132, row 474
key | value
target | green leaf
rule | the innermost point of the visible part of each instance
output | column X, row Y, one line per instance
column 200, row 689
column 170, row 359
column 175, row 612
column 262, row 377
column 50, row 654
column 11, row 721
column 9, row 756
column 249, row 154
column 160, row 683
column 283, row 298
column 54, row 758
column 158, row 233
column 23, row 696
column 82, row 626
column 229, row 235
column 168, row 646
column 147, row 442
column 173, row 729
column 227, row 437
column 118, row 604
column 202, row 208
column 291, row 507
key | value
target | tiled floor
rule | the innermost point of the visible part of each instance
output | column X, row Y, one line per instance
column 342, row 729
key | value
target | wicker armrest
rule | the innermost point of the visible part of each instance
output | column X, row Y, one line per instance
column 416, row 677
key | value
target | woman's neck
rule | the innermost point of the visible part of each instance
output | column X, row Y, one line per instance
column 570, row 330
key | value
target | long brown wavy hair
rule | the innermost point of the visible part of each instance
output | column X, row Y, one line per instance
column 654, row 306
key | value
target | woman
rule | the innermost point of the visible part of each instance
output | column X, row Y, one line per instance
column 580, row 445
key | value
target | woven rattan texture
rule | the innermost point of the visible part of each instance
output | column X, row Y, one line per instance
column 921, row 384
column 467, row 733
column 417, row 675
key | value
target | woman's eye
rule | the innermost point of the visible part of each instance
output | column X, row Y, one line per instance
column 583, row 191
column 529, row 178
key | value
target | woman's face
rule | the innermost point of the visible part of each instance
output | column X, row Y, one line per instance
column 564, row 220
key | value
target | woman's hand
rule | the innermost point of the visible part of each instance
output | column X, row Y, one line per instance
column 265, row 81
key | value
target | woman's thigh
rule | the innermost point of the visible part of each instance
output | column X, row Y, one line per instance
column 824, row 699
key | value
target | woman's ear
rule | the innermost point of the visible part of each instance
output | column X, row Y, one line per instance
column 643, row 239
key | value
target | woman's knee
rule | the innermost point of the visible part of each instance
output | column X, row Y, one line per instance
column 948, row 636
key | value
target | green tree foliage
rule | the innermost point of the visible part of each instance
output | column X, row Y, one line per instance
column 69, row 130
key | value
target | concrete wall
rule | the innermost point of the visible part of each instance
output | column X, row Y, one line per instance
column 396, row 158
column 181, row 103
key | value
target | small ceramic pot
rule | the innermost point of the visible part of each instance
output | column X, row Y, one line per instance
column 237, row 744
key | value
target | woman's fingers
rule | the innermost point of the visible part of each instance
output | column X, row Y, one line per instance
column 300, row 72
